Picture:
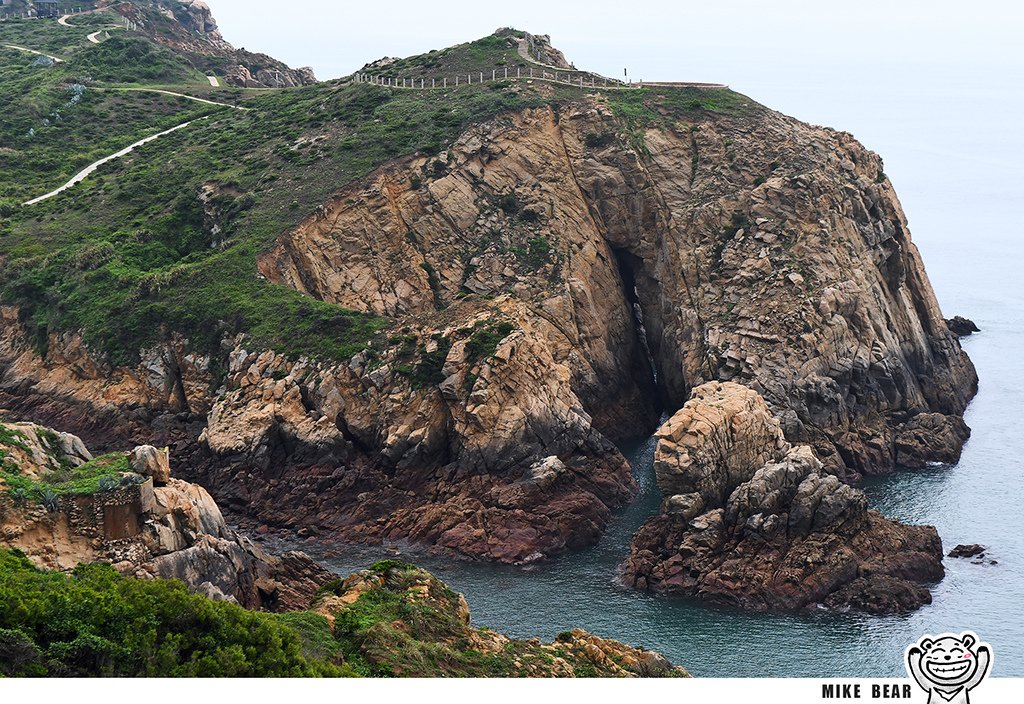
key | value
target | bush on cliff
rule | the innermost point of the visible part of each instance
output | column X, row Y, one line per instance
column 96, row 622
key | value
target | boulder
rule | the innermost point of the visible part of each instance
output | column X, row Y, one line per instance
column 151, row 462
column 716, row 441
column 788, row 535
column 930, row 438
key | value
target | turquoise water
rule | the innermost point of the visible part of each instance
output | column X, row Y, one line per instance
column 578, row 590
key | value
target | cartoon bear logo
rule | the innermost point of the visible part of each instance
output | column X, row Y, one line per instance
column 949, row 666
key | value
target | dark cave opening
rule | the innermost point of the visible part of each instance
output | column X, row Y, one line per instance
column 646, row 371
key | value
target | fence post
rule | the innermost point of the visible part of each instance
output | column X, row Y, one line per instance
column 481, row 76
column 446, row 81
column 517, row 72
column 531, row 72
column 456, row 81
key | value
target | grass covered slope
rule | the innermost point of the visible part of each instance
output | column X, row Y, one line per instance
column 166, row 238
column 391, row 620
column 96, row 623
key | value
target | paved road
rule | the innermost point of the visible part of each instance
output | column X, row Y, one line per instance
column 81, row 175
column 33, row 51
column 92, row 37
column 179, row 95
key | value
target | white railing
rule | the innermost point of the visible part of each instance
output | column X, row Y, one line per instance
column 576, row 79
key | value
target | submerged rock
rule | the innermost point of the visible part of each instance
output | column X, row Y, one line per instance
column 971, row 550
column 766, row 527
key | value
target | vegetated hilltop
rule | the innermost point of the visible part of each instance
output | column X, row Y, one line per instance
column 426, row 314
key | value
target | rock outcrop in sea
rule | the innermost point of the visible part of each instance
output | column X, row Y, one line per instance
column 749, row 520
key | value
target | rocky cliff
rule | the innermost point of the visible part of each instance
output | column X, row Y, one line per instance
column 553, row 280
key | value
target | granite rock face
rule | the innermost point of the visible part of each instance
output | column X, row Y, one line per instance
column 553, row 286
column 787, row 534
column 148, row 461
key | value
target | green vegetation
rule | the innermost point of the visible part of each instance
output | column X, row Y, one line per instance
column 404, row 622
column 410, row 626
column 10, row 439
column 56, row 122
column 167, row 239
column 96, row 623
column 483, row 343
column 132, row 59
column 659, row 106
column 101, row 474
column 469, row 60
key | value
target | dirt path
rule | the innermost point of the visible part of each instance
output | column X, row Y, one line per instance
column 84, row 173
column 33, row 51
column 92, row 37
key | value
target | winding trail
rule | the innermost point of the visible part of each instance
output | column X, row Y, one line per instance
column 54, row 59
column 92, row 37
column 81, row 175
column 179, row 95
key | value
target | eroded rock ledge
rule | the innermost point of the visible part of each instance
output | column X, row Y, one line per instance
column 138, row 518
column 751, row 521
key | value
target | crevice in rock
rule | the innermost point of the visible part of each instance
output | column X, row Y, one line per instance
column 646, row 370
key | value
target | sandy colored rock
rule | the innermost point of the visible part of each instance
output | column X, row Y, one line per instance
column 789, row 535
column 151, row 462
column 710, row 444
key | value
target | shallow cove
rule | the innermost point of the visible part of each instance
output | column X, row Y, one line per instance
column 969, row 503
